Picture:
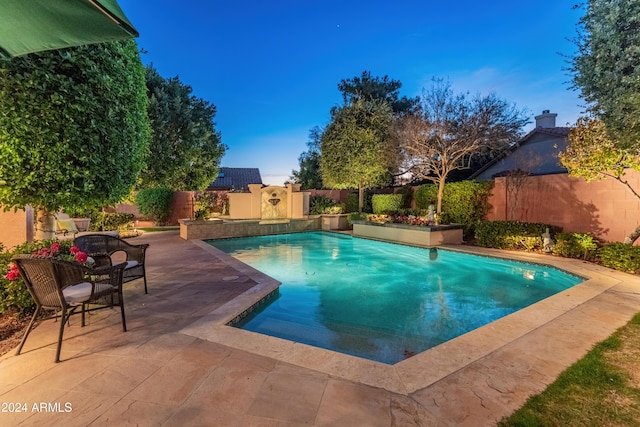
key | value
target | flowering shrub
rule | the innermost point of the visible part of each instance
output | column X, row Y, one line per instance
column 401, row 219
column 14, row 295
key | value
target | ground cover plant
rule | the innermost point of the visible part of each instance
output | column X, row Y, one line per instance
column 601, row 389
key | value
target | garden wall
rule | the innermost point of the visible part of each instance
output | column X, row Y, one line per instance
column 16, row 227
column 605, row 208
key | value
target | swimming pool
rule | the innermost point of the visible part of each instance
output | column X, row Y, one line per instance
column 383, row 301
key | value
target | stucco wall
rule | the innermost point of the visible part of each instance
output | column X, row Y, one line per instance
column 16, row 227
column 604, row 208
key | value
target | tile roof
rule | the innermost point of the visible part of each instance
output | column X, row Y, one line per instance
column 237, row 179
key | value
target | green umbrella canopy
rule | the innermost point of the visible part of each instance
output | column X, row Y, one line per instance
column 28, row 26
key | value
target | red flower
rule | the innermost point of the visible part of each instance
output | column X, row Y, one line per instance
column 81, row 257
column 12, row 274
column 74, row 249
column 55, row 248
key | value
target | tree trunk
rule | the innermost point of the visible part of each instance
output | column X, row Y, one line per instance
column 440, row 196
column 360, row 198
column 45, row 225
column 633, row 236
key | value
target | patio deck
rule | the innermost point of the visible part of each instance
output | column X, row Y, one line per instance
column 177, row 365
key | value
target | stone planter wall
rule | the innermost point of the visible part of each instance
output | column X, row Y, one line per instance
column 409, row 234
column 335, row 222
column 219, row 229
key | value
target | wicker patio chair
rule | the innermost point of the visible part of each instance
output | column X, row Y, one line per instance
column 65, row 287
column 102, row 248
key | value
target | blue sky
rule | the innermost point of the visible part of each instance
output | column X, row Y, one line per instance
column 272, row 67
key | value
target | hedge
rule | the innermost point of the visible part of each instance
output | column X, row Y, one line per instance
column 464, row 202
column 386, row 203
column 512, row 234
column 155, row 203
column 621, row 256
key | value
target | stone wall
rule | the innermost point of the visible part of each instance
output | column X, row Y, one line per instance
column 218, row 229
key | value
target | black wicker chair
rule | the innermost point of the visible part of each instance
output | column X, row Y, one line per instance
column 102, row 247
column 65, row 287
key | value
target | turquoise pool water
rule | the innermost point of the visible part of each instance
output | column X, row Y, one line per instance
column 383, row 301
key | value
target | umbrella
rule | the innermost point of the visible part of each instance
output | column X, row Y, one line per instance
column 29, row 26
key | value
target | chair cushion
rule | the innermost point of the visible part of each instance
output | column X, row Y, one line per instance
column 131, row 264
column 67, row 226
column 77, row 294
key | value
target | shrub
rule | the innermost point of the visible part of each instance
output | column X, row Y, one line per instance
column 356, row 216
column 512, row 234
column 352, row 202
column 575, row 245
column 107, row 221
column 155, row 203
column 320, row 204
column 464, row 202
column 386, row 203
column 620, row 256
column 208, row 203
column 14, row 295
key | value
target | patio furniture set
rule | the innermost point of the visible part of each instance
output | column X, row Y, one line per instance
column 68, row 287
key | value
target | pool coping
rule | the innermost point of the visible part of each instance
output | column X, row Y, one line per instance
column 423, row 369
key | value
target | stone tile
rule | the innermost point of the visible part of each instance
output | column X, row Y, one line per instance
column 69, row 373
column 74, row 409
column 228, row 389
column 346, row 403
column 163, row 347
column 28, row 395
column 172, row 384
column 127, row 412
column 289, row 397
column 119, row 378
column 406, row 412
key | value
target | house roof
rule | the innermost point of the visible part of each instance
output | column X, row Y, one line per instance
column 554, row 133
column 237, row 179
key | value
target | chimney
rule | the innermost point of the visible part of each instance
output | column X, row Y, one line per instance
column 546, row 120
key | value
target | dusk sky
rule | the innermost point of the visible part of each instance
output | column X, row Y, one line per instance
column 272, row 67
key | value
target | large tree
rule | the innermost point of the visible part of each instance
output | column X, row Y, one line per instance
column 73, row 128
column 449, row 129
column 356, row 149
column 185, row 146
column 369, row 88
column 592, row 155
column 606, row 67
column 309, row 176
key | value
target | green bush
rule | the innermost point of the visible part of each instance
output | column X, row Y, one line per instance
column 108, row 221
column 620, row 256
column 155, row 204
column 356, row 216
column 319, row 204
column 386, row 203
column 575, row 245
column 512, row 234
column 352, row 202
column 464, row 202
column 208, row 203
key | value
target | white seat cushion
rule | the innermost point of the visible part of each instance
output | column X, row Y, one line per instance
column 131, row 264
column 77, row 294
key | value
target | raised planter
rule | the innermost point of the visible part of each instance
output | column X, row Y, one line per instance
column 219, row 229
column 426, row 236
column 335, row 222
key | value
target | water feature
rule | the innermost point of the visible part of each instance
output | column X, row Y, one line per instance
column 383, row 301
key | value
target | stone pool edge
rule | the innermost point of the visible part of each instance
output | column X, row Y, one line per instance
column 423, row 369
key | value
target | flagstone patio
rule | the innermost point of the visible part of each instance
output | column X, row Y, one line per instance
column 178, row 365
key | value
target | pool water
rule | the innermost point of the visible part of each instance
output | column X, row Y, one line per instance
column 383, row 301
